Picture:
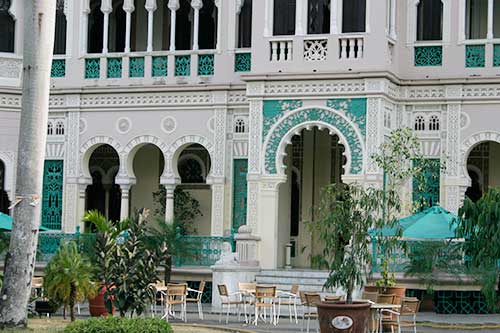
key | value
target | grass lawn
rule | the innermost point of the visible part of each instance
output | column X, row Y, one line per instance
column 36, row 325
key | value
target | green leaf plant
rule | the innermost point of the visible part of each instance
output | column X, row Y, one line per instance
column 345, row 215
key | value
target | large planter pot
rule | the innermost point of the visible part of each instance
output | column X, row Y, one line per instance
column 399, row 291
column 97, row 305
column 342, row 317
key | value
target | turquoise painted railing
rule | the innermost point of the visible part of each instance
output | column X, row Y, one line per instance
column 475, row 56
column 428, row 55
column 201, row 250
column 242, row 62
column 48, row 244
column 58, row 68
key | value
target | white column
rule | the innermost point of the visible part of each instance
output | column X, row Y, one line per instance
column 173, row 5
column 84, row 27
column 300, row 14
column 368, row 13
column 128, row 7
column 219, row 24
column 106, row 9
column 81, row 204
column 217, row 221
column 392, row 22
column 107, row 190
column 124, row 211
column 150, row 7
column 490, row 20
column 334, row 24
column 268, row 19
column 196, row 4
column 169, row 203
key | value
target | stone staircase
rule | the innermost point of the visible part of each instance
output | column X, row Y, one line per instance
column 308, row 280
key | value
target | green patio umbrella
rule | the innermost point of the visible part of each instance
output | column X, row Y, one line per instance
column 6, row 223
column 432, row 223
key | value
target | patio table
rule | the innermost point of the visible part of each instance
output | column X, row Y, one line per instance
column 376, row 313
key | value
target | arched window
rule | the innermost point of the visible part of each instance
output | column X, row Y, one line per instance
column 207, row 30
column 318, row 17
column 476, row 19
column 239, row 126
column 284, row 17
column 59, row 128
column 245, row 25
column 50, row 128
column 419, row 123
column 7, row 27
column 116, row 35
column 184, row 26
column 60, row 33
column 353, row 16
column 434, row 123
column 95, row 27
column 430, row 20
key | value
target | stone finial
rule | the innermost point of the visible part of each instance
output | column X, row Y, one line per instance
column 150, row 5
column 128, row 6
column 196, row 4
column 106, row 6
column 239, row 5
column 173, row 5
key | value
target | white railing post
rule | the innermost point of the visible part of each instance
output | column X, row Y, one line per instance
column 128, row 7
column 106, row 9
column 150, row 7
column 197, row 5
column 173, row 5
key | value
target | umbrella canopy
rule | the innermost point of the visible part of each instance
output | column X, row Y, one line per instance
column 6, row 223
column 432, row 223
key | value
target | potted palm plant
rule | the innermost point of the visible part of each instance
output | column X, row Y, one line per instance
column 345, row 215
column 69, row 278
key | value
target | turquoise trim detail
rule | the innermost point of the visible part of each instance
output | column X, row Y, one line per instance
column 292, row 119
column 428, row 56
column 352, row 108
column 52, row 194
column 92, row 68
column 58, row 68
column 159, row 66
column 240, row 167
column 274, row 110
column 182, row 65
column 114, row 69
column 136, row 67
column 474, row 56
column 242, row 62
column 205, row 64
column 496, row 55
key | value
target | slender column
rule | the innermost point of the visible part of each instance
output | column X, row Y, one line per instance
column 169, row 203
column 124, row 212
column 173, row 5
column 85, row 27
column 490, row 20
column 106, row 9
column 299, row 17
column 219, row 24
column 392, row 28
column 196, row 4
column 128, row 7
column 150, row 7
column 107, row 189
column 81, row 202
column 334, row 24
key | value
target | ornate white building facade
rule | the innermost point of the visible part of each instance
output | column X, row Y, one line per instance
column 253, row 106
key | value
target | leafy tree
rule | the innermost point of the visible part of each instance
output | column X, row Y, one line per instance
column 68, row 277
column 345, row 215
column 479, row 224
column 186, row 208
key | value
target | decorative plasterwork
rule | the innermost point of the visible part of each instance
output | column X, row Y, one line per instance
column 352, row 108
column 10, row 68
column 220, row 143
column 431, row 149
column 176, row 147
column 453, row 132
column 469, row 143
column 373, row 132
column 54, row 150
column 274, row 110
column 293, row 122
column 146, row 99
column 255, row 134
column 316, row 87
column 240, row 149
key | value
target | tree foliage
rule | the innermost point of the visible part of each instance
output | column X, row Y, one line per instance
column 68, row 277
column 186, row 208
column 345, row 215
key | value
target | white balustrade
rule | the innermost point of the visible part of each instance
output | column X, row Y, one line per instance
column 281, row 50
column 351, row 47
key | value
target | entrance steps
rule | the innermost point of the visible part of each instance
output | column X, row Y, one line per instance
column 283, row 279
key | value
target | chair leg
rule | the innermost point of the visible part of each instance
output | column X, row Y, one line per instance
column 308, row 322
column 295, row 311
column 227, row 314
column 220, row 313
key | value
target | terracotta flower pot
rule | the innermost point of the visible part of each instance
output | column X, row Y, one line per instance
column 97, row 305
column 399, row 291
column 342, row 317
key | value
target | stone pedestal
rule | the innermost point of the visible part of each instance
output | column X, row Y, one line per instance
column 230, row 275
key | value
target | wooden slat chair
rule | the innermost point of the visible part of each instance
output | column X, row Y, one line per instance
column 228, row 300
column 370, row 296
column 197, row 299
column 265, row 298
column 289, row 299
column 311, row 300
column 409, row 310
column 176, row 295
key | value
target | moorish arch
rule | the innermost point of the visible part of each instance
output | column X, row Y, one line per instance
column 134, row 145
column 472, row 141
column 176, row 148
column 90, row 146
column 336, row 123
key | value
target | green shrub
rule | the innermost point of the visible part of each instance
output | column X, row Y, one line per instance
column 119, row 325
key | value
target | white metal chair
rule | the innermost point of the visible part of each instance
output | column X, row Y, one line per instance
column 176, row 295
column 227, row 300
column 159, row 288
column 289, row 299
column 265, row 298
column 409, row 309
column 197, row 299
